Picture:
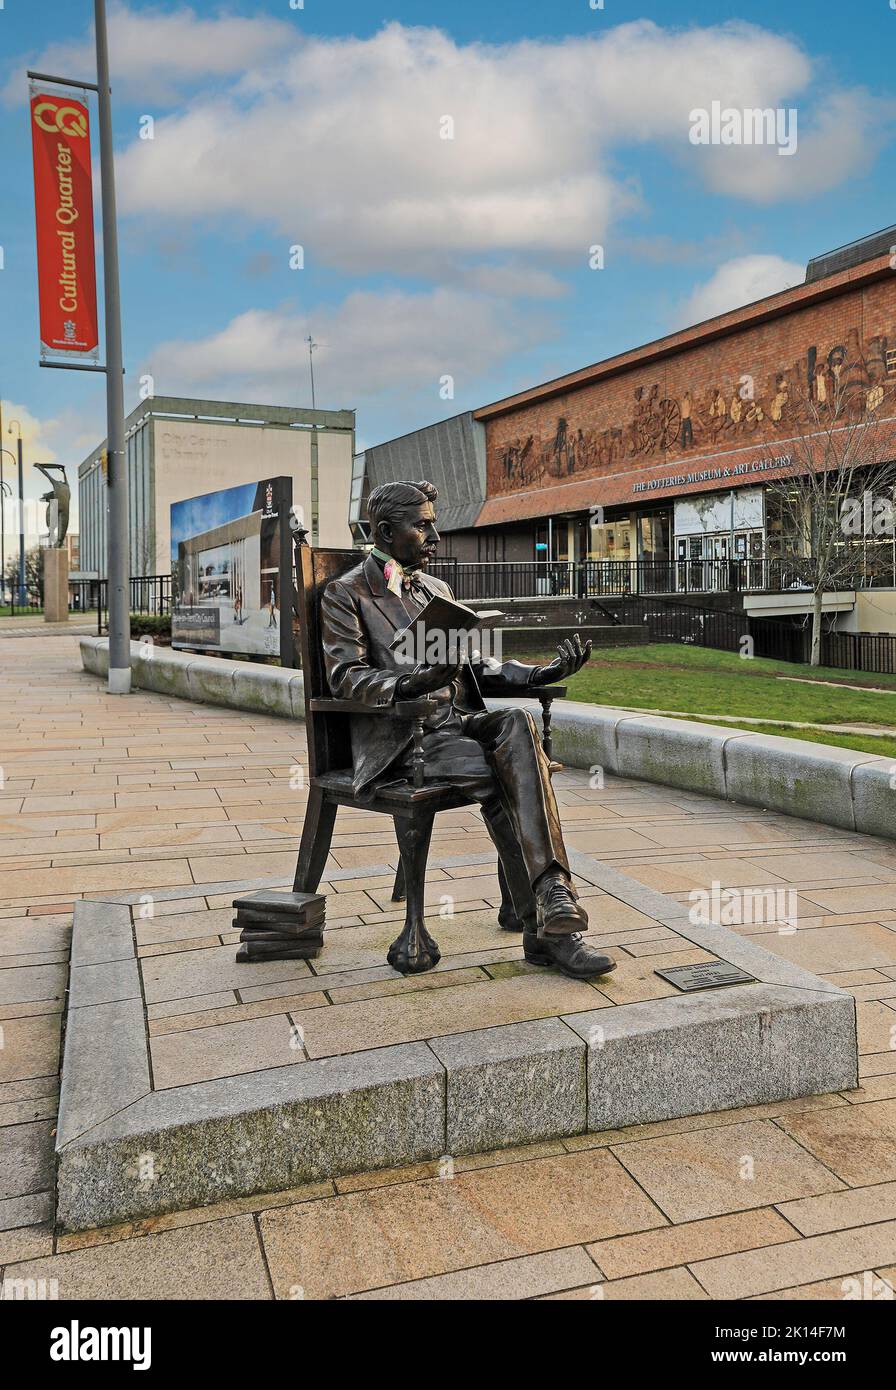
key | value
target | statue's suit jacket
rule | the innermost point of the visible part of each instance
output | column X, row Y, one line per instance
column 359, row 618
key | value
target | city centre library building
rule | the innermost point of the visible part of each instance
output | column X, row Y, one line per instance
column 660, row 458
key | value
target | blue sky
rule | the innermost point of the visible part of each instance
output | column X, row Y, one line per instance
column 426, row 258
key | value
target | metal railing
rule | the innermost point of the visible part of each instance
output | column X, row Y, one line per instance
column 34, row 602
column 724, row 630
column 150, row 596
column 859, row 651
column 665, row 620
column 489, row 580
column 720, row 628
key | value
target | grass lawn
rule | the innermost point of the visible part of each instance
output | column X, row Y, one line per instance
column 881, row 746
column 701, row 681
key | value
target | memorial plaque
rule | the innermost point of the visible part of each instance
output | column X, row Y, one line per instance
column 709, row 975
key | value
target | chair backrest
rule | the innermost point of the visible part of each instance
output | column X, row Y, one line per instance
column 329, row 745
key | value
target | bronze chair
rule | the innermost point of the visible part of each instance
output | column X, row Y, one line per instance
column 412, row 805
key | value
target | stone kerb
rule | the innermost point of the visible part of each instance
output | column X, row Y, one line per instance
column 835, row 786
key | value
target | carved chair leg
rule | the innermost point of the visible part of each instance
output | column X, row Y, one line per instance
column 546, row 740
column 399, row 890
column 317, row 832
column 414, row 950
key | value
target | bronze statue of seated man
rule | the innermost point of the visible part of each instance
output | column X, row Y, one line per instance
column 493, row 756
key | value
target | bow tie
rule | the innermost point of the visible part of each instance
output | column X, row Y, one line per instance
column 399, row 580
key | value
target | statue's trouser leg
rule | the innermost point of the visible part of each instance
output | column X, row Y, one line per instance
column 513, row 750
column 516, row 877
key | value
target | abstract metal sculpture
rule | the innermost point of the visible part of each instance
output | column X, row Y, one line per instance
column 59, row 502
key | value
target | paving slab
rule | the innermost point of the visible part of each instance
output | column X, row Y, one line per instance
column 531, row 1276
column 26, row 1159
column 859, row 1206
column 361, row 1241
column 691, row 1240
column 858, row 1143
column 30, row 1048
column 713, row 1171
column 674, row 1285
column 218, row 1260
column 832, row 1257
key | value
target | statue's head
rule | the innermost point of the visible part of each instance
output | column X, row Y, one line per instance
column 403, row 522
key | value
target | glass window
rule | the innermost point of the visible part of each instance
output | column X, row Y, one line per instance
column 613, row 540
column 655, row 532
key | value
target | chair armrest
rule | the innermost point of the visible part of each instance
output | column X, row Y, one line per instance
column 420, row 708
column 415, row 710
column 401, row 709
column 544, row 692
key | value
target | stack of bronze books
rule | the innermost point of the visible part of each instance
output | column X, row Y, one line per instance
column 280, row 926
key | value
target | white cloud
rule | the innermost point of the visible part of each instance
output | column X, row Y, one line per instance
column 737, row 282
column 513, row 280
column 153, row 53
column 841, row 136
column 336, row 144
column 64, row 438
column 36, row 436
column 371, row 344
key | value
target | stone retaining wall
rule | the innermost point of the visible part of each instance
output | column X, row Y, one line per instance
column 835, row 786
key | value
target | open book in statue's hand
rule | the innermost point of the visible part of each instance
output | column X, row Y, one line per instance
column 441, row 633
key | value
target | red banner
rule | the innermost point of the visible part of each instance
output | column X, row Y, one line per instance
column 63, row 201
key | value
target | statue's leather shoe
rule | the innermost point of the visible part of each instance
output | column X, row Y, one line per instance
column 570, row 954
column 557, row 907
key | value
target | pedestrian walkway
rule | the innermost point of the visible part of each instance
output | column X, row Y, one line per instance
column 149, row 795
column 33, row 625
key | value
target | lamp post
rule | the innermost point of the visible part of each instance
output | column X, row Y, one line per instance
column 5, row 491
column 117, row 543
column 311, row 346
column 22, row 595
column 117, row 538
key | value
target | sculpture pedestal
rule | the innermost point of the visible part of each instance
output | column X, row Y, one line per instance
column 518, row 1057
column 55, row 586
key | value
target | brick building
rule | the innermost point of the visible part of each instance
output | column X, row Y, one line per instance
column 659, row 459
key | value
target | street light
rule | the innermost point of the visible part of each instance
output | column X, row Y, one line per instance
column 22, row 595
column 311, row 346
column 5, row 491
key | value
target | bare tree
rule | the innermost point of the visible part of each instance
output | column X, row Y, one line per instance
column 34, row 573
column 836, row 498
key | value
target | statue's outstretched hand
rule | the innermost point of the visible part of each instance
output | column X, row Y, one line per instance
column 572, row 655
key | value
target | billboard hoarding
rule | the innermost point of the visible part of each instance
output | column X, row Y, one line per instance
column 63, row 204
column 231, row 565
